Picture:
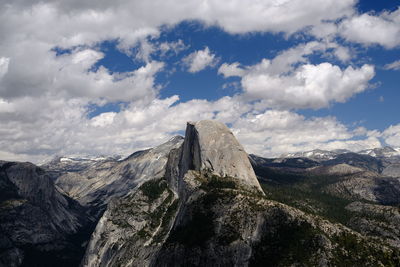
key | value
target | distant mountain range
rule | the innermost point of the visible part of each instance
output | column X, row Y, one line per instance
column 202, row 201
column 318, row 154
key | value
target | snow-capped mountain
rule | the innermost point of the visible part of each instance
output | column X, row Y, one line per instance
column 386, row 152
column 62, row 164
column 316, row 154
column 320, row 155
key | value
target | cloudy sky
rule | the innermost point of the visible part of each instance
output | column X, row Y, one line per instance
column 111, row 77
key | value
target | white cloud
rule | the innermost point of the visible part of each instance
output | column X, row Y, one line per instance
column 61, row 127
column 103, row 119
column 199, row 60
column 274, row 132
column 309, row 86
column 342, row 53
column 176, row 47
column 290, row 81
column 392, row 135
column 229, row 70
column 68, row 76
column 289, row 16
column 369, row 29
column 395, row 65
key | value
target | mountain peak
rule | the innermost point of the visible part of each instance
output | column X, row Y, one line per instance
column 211, row 146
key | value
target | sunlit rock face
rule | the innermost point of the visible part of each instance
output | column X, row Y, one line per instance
column 211, row 146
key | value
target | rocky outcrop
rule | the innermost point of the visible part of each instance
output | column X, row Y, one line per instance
column 146, row 216
column 211, row 146
column 35, row 218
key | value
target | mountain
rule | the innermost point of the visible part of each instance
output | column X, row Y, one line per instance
column 357, row 197
column 384, row 160
column 62, row 165
column 39, row 225
column 95, row 186
column 202, row 200
column 385, row 152
column 316, row 154
column 209, row 210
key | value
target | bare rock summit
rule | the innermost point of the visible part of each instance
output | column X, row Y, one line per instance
column 211, row 146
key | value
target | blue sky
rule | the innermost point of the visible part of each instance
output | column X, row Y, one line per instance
column 111, row 78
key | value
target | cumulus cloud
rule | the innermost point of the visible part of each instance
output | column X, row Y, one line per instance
column 229, row 70
column 46, row 128
column 309, row 86
column 369, row 29
column 274, row 132
column 69, row 76
column 199, row 60
column 130, row 19
column 290, row 81
column 392, row 135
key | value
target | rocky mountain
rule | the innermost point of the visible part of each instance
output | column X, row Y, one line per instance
column 202, row 200
column 317, row 154
column 358, row 197
column 208, row 210
column 385, row 152
column 95, row 186
column 39, row 226
column 62, row 165
column 384, row 160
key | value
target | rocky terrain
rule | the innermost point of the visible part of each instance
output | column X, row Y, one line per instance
column 202, row 201
column 39, row 226
column 59, row 166
column 94, row 186
column 206, row 211
column 349, row 188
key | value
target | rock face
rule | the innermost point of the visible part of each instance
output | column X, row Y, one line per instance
column 36, row 220
column 393, row 170
column 141, row 221
column 208, row 210
column 211, row 146
column 62, row 165
column 94, row 187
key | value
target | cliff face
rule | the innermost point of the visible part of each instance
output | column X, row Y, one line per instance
column 211, row 146
column 140, row 223
column 96, row 186
column 208, row 210
column 35, row 218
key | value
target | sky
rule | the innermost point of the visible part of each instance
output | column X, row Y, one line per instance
column 102, row 77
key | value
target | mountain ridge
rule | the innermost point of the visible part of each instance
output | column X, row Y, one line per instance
column 203, row 201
